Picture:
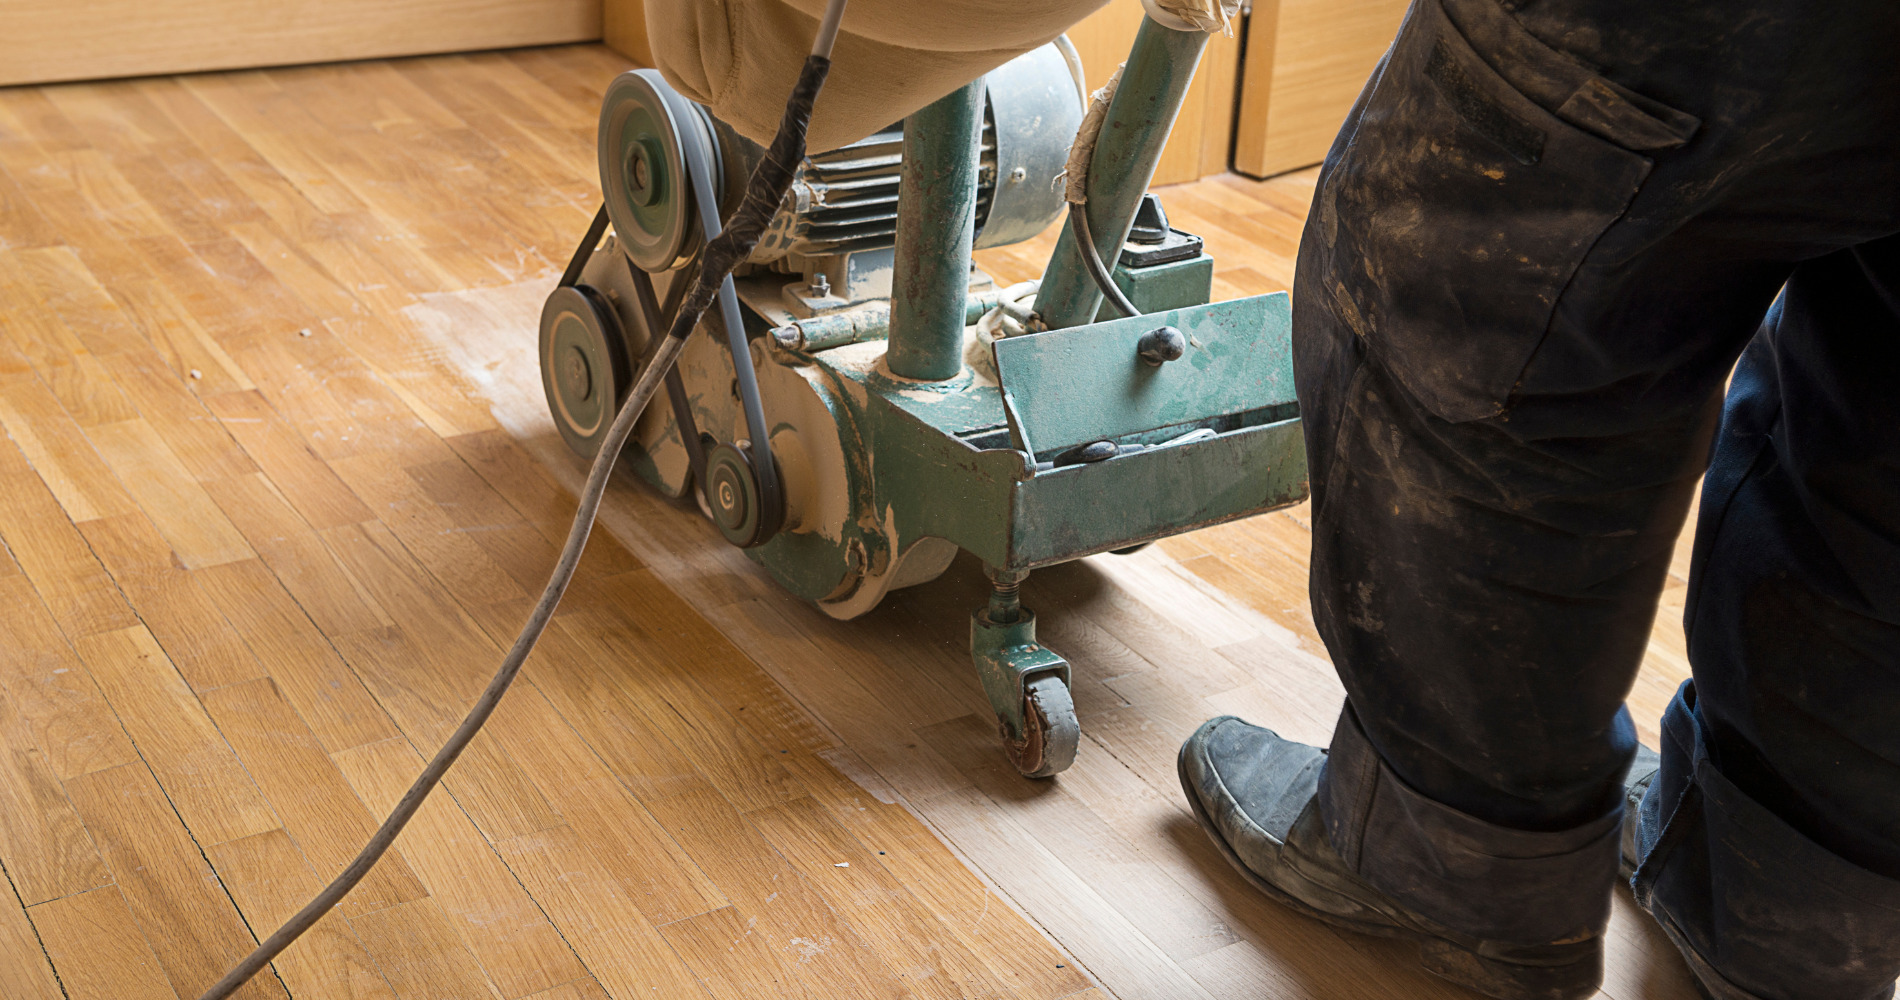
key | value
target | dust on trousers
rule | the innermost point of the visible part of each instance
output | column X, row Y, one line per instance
column 1537, row 251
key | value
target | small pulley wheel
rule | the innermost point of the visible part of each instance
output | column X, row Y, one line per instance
column 584, row 368
column 1050, row 730
column 643, row 126
column 734, row 500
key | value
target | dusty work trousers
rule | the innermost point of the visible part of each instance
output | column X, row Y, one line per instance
column 1538, row 248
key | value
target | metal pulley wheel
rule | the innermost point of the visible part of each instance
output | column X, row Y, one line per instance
column 584, row 368
column 643, row 125
column 1050, row 730
column 734, row 500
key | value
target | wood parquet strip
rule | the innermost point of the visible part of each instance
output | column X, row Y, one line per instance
column 278, row 486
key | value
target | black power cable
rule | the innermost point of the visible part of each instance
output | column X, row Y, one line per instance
column 764, row 192
column 1092, row 259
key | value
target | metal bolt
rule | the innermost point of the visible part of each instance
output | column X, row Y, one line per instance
column 1006, row 603
column 820, row 286
column 642, row 182
column 574, row 373
column 1018, row 175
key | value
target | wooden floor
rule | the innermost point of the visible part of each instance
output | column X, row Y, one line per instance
column 277, row 486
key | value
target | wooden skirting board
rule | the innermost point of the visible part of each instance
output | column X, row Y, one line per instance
column 278, row 483
column 49, row 40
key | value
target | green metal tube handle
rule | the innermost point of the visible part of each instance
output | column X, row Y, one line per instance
column 936, row 225
column 1140, row 116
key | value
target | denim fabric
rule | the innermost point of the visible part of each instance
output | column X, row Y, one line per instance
column 1537, row 249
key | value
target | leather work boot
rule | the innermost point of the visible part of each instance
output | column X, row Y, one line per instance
column 1255, row 794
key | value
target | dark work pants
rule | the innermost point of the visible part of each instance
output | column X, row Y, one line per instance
column 1537, row 250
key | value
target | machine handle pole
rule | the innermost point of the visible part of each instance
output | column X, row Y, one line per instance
column 1154, row 83
column 936, row 227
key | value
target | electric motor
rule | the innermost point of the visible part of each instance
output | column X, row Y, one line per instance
column 843, row 201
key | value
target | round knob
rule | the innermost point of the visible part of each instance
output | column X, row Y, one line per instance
column 1163, row 343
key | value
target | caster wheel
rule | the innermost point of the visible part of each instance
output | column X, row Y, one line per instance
column 1050, row 730
column 584, row 367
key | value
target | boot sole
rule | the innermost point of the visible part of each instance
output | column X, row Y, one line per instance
column 1438, row 956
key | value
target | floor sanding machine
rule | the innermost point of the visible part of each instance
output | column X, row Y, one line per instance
column 831, row 405
column 861, row 402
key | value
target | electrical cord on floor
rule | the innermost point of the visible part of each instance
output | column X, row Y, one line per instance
column 764, row 192
column 1092, row 259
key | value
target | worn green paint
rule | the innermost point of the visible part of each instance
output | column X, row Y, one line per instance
column 936, row 226
column 1087, row 384
column 925, row 477
column 1006, row 654
column 1140, row 116
column 1158, row 287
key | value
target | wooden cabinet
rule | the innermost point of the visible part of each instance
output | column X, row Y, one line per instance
column 42, row 41
column 1204, row 131
column 1305, row 64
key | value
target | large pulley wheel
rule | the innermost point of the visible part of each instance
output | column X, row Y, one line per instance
column 1050, row 730
column 643, row 126
column 584, row 368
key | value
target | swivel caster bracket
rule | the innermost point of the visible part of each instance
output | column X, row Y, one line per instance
column 1027, row 684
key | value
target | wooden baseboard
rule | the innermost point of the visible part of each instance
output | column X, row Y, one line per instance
column 43, row 41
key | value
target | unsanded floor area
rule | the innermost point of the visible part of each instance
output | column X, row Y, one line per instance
column 277, row 485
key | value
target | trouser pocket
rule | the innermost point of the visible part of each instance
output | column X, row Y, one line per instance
column 1481, row 168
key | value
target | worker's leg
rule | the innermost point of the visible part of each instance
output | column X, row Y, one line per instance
column 1774, row 827
column 1510, row 347
column 1521, row 287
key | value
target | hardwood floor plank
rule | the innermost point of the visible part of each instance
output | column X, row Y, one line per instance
column 199, row 533
column 53, row 554
column 202, row 778
column 171, row 890
column 1065, row 905
column 24, row 966
column 498, row 795
column 460, row 565
column 661, row 877
column 43, row 844
column 596, row 916
column 326, row 693
column 1021, row 959
column 98, row 949
column 781, row 907
column 315, row 805
column 926, row 959
column 1122, row 873
column 333, row 599
column 506, row 468
column 504, row 927
column 307, row 484
column 172, row 602
column 60, row 452
column 419, row 954
column 179, row 340
column 270, row 880
column 70, row 724
column 164, row 399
